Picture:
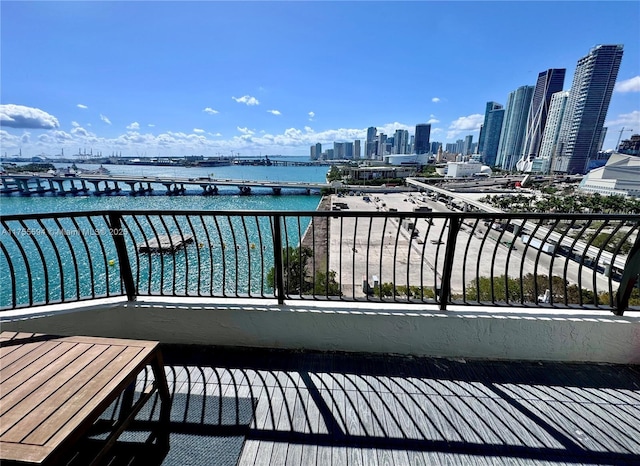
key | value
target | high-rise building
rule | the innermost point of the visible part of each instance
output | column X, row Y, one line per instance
column 356, row 149
column 468, row 142
column 589, row 97
column 514, row 127
column 348, row 150
column 542, row 163
column 318, row 150
column 382, row 146
column 421, row 139
column 435, row 145
column 400, row 141
column 371, row 143
column 549, row 82
column 313, row 155
column 489, row 108
column 492, row 127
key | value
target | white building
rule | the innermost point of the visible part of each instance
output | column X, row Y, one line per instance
column 466, row 169
column 619, row 176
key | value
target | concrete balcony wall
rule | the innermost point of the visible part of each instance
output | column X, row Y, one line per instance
column 460, row 332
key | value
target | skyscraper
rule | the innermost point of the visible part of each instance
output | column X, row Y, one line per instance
column 356, row 149
column 514, row 127
column 542, row 163
column 421, row 139
column 468, row 142
column 589, row 97
column 318, row 150
column 491, row 133
column 370, row 145
column 400, row 141
column 549, row 82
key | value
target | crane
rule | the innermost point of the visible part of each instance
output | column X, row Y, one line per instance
column 620, row 137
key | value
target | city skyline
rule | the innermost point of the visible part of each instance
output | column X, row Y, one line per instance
column 208, row 78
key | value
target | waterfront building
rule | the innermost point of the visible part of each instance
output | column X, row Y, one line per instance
column 338, row 150
column 618, row 177
column 318, row 150
column 313, row 155
column 514, row 127
column 348, row 150
column 421, row 140
column 329, row 154
column 581, row 131
column 435, row 145
column 549, row 82
column 492, row 128
column 489, row 108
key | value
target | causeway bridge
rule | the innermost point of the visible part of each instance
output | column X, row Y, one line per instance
column 28, row 184
column 41, row 183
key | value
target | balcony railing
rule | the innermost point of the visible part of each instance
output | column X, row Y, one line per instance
column 552, row 260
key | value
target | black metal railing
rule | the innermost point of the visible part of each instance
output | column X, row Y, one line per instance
column 553, row 260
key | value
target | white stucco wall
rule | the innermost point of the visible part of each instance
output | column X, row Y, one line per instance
column 462, row 332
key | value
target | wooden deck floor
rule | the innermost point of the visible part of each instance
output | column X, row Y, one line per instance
column 319, row 408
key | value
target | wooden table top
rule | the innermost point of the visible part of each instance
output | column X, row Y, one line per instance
column 53, row 388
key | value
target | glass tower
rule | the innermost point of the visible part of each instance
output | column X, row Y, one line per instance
column 589, row 97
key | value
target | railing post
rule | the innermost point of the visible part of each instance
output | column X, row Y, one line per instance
column 445, row 290
column 277, row 251
column 123, row 258
column 629, row 279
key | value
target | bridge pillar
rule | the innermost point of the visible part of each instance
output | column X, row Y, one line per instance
column 84, row 188
column 308, row 191
column 168, row 186
column 277, row 190
column 244, row 190
column 132, row 187
column 23, row 186
column 73, row 189
column 62, row 192
column 96, row 185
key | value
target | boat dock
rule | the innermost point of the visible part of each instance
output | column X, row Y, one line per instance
column 165, row 243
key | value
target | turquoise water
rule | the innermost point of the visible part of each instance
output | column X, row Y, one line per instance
column 231, row 254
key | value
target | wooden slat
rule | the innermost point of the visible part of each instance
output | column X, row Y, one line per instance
column 20, row 356
column 35, row 403
column 32, row 377
column 96, row 394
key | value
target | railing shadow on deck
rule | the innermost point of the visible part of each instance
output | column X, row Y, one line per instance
column 311, row 406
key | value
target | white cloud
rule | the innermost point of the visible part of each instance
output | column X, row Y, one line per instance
column 630, row 120
column 245, row 131
column 105, row 119
column 151, row 125
column 82, row 106
column 433, row 121
column 435, row 99
column 198, row 130
column 25, row 138
column 390, row 128
column 274, row 112
column 465, row 123
column 79, row 131
column 75, row 124
column 19, row 116
column 311, row 116
column 246, row 99
column 133, row 126
column 210, row 111
column 214, row 135
column 629, row 85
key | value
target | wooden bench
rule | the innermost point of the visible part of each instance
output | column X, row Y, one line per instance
column 52, row 390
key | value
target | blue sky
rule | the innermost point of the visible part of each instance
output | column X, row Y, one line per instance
column 183, row 78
